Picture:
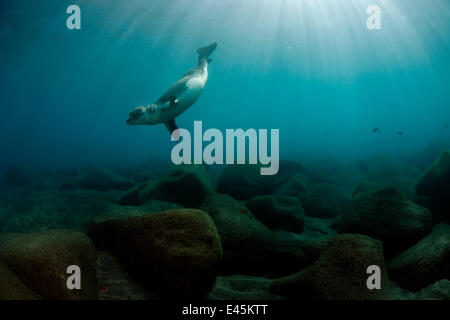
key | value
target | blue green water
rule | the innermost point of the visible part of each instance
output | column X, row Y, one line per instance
column 310, row 68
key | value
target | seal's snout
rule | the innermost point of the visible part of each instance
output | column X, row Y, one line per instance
column 135, row 115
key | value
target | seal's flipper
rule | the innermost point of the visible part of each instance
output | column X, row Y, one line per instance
column 173, row 101
column 171, row 126
column 206, row 51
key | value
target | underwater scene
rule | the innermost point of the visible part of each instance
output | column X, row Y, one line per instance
column 224, row 150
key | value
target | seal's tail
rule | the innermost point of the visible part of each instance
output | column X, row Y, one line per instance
column 206, row 51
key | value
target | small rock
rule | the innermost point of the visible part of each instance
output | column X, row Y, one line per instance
column 424, row 263
column 242, row 287
column 278, row 212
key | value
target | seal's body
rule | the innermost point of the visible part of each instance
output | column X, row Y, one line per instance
column 179, row 97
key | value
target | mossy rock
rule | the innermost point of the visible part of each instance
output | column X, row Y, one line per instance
column 175, row 252
column 340, row 273
column 102, row 179
column 386, row 215
column 249, row 246
column 187, row 185
column 41, row 259
column 297, row 186
column 278, row 212
column 325, row 200
column 366, row 186
column 12, row 288
column 433, row 188
column 244, row 181
column 425, row 263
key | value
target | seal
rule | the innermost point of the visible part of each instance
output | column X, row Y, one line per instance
column 178, row 98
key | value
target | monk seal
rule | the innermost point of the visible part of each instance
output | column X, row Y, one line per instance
column 178, row 98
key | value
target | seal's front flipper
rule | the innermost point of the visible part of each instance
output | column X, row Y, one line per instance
column 171, row 126
column 173, row 101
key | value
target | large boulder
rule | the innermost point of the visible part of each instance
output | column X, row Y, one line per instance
column 433, row 188
column 278, row 212
column 249, row 246
column 187, row 185
column 176, row 251
column 102, row 179
column 325, row 200
column 424, row 263
column 340, row 273
column 12, row 288
column 41, row 260
column 386, row 215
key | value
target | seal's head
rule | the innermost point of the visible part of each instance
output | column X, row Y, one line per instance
column 143, row 115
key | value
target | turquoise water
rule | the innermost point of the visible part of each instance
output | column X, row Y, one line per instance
column 309, row 68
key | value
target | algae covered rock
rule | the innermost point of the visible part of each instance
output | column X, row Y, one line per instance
column 249, row 246
column 278, row 212
column 424, row 263
column 433, row 188
column 187, row 185
column 41, row 260
column 12, row 288
column 132, row 196
column 366, row 186
column 102, row 179
column 297, row 186
column 176, row 252
column 386, row 215
column 340, row 273
column 325, row 200
column 244, row 181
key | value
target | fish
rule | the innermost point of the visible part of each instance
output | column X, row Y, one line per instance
column 375, row 130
